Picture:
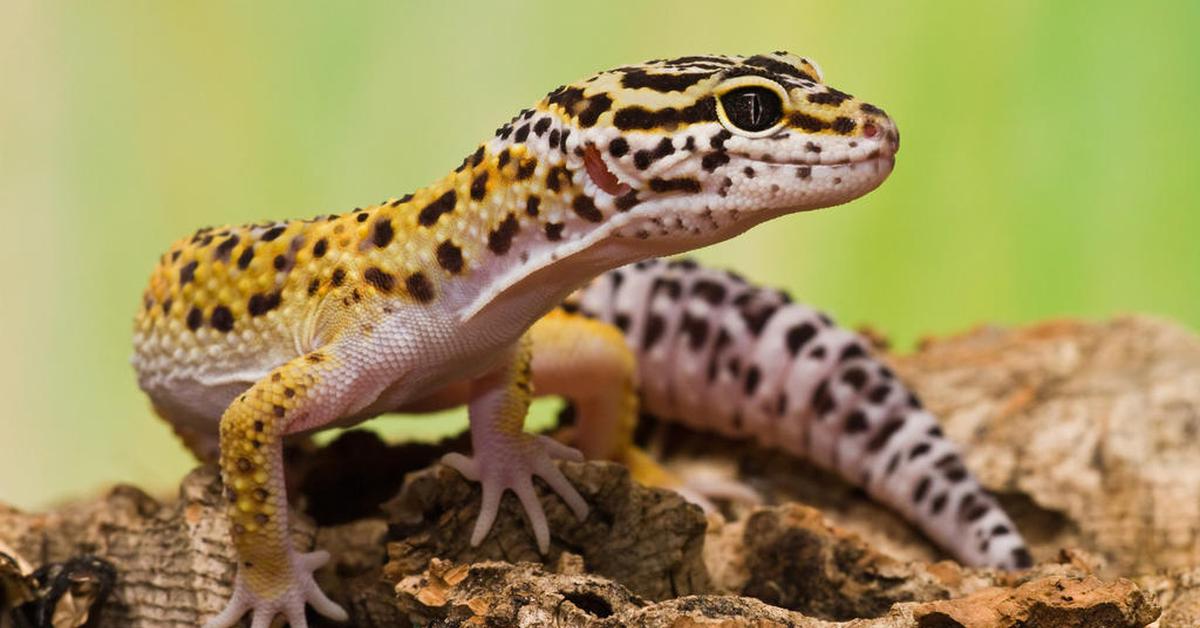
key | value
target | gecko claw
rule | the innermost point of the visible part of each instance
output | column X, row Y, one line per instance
column 511, row 464
column 303, row 590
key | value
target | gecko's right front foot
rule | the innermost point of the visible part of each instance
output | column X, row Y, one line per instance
column 289, row 601
column 510, row 462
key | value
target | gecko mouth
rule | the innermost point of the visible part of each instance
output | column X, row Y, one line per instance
column 600, row 174
column 877, row 155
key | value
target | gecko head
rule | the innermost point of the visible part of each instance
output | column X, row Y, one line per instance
column 681, row 152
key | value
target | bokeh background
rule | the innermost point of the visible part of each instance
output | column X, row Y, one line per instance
column 1048, row 166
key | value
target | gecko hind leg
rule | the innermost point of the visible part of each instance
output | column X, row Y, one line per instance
column 507, row 458
column 589, row 362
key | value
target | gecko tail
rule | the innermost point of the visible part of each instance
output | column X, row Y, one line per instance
column 720, row 354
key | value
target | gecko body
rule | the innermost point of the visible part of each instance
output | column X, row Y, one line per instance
column 249, row 334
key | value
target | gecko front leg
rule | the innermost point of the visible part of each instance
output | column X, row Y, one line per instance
column 272, row 577
column 505, row 457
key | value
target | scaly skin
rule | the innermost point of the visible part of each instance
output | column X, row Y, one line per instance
column 284, row 328
column 723, row 355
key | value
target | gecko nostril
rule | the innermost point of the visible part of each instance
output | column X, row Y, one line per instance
column 870, row 130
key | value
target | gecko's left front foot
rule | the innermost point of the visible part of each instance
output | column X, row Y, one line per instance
column 509, row 462
column 289, row 602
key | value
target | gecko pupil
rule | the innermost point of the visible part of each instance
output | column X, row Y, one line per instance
column 752, row 108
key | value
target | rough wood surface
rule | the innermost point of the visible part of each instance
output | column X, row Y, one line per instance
column 1087, row 432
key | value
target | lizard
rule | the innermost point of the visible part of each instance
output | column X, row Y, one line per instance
column 250, row 334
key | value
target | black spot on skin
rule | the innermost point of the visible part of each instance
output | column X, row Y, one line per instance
column 622, row 322
column 636, row 117
column 1000, row 530
column 921, row 491
column 757, row 320
column 503, row 158
column 187, row 273
column 955, row 474
column 879, row 394
column 832, row 97
column 855, row 377
column 938, row 503
column 195, row 318
column 626, row 201
column 871, row 109
column 531, row 205
column 618, row 147
column 753, row 376
column 717, row 141
column 976, row 513
column 260, row 304
column 555, row 177
column 419, row 287
column 541, row 126
column 522, row 133
column 596, row 105
column 166, row 305
column 477, row 156
column 892, row 464
column 339, row 277
column 383, row 281
column 280, row 262
column 585, row 208
column 383, row 233
column 711, row 292
column 565, row 97
column 641, row 79
column 362, row 217
column 272, row 233
column 884, row 434
column 313, row 286
column 822, row 401
column 221, row 319
column 553, row 139
column 655, row 325
column 798, row 336
column 918, row 450
column 696, row 330
column 807, row 122
column 320, row 248
column 671, row 287
column 749, row 172
column 433, row 211
column 853, row 350
column 856, row 422
column 913, row 402
column 714, row 160
column 479, row 186
column 680, row 184
column 526, row 169
column 776, row 66
column 804, row 172
column 1021, row 558
column 225, row 247
column 449, row 257
column 554, row 230
column 641, row 159
column 500, row 240
column 843, row 125
column 279, row 411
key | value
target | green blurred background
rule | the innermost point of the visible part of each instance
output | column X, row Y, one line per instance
column 1048, row 165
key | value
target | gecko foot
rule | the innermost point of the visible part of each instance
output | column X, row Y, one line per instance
column 508, row 463
column 289, row 602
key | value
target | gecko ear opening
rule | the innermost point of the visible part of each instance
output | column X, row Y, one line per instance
column 600, row 174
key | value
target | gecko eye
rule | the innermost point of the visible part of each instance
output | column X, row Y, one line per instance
column 752, row 109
